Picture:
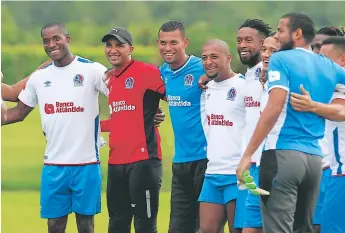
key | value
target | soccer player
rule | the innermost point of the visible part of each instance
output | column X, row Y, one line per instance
column 316, row 44
column 180, row 73
column 332, row 220
column 250, row 38
column 67, row 93
column 134, row 166
column 322, row 34
column 225, row 110
column 291, row 162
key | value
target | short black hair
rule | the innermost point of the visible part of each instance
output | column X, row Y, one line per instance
column 55, row 24
column 330, row 31
column 337, row 41
column 257, row 24
column 172, row 25
column 272, row 34
column 304, row 22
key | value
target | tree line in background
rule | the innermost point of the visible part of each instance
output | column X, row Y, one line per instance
column 88, row 21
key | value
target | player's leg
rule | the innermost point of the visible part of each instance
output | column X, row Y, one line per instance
column 230, row 194
column 253, row 220
column 118, row 200
column 280, row 174
column 326, row 173
column 332, row 217
column 57, row 225
column 186, row 181
column 86, row 195
column 145, row 179
column 55, row 197
column 212, row 205
column 85, row 223
column 307, row 195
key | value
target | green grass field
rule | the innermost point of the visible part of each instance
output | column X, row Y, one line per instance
column 22, row 160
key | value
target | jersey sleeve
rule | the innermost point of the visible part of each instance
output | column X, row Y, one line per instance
column 28, row 95
column 98, row 77
column 155, row 82
column 278, row 76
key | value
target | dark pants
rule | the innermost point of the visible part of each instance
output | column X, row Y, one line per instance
column 293, row 179
column 133, row 190
column 186, row 186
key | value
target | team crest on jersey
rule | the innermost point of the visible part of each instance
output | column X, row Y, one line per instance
column 129, row 83
column 188, row 80
column 257, row 73
column 231, row 94
column 78, row 80
column 47, row 83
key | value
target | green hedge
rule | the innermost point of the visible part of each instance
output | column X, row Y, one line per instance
column 19, row 61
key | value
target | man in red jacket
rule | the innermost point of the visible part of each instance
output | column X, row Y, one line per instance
column 135, row 168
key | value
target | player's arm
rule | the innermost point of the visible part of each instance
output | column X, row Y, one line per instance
column 3, row 113
column 18, row 113
column 11, row 93
column 278, row 84
column 335, row 111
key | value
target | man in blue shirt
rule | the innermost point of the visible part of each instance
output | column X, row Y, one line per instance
column 291, row 162
column 180, row 73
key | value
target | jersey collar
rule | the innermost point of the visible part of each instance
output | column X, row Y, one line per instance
column 117, row 73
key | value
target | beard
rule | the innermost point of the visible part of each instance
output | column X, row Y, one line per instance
column 251, row 61
column 287, row 45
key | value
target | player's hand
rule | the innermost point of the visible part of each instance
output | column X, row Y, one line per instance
column 203, row 80
column 243, row 166
column 107, row 75
column 248, row 183
column 159, row 117
column 301, row 103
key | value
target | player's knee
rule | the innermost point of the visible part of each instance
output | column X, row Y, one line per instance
column 85, row 223
column 57, row 225
column 146, row 225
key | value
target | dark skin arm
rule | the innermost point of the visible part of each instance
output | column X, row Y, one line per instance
column 18, row 113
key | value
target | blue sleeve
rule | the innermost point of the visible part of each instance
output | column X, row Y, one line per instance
column 277, row 74
column 340, row 74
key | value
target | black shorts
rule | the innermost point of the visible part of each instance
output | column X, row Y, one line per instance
column 133, row 189
column 187, row 182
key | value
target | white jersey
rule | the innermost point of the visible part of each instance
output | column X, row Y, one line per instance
column 224, row 107
column 255, row 101
column 68, row 103
column 323, row 143
column 336, row 142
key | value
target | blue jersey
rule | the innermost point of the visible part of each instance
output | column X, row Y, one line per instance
column 187, row 109
column 301, row 131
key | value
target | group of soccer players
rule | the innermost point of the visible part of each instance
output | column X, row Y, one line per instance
column 270, row 122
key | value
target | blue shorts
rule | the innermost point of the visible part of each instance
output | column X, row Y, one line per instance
column 219, row 189
column 67, row 189
column 241, row 203
column 253, row 217
column 326, row 174
column 333, row 211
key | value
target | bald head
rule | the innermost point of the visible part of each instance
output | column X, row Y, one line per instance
column 222, row 45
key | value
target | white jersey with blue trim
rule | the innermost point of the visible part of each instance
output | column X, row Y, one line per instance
column 336, row 142
column 225, row 112
column 68, row 104
column 255, row 101
column 301, row 131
